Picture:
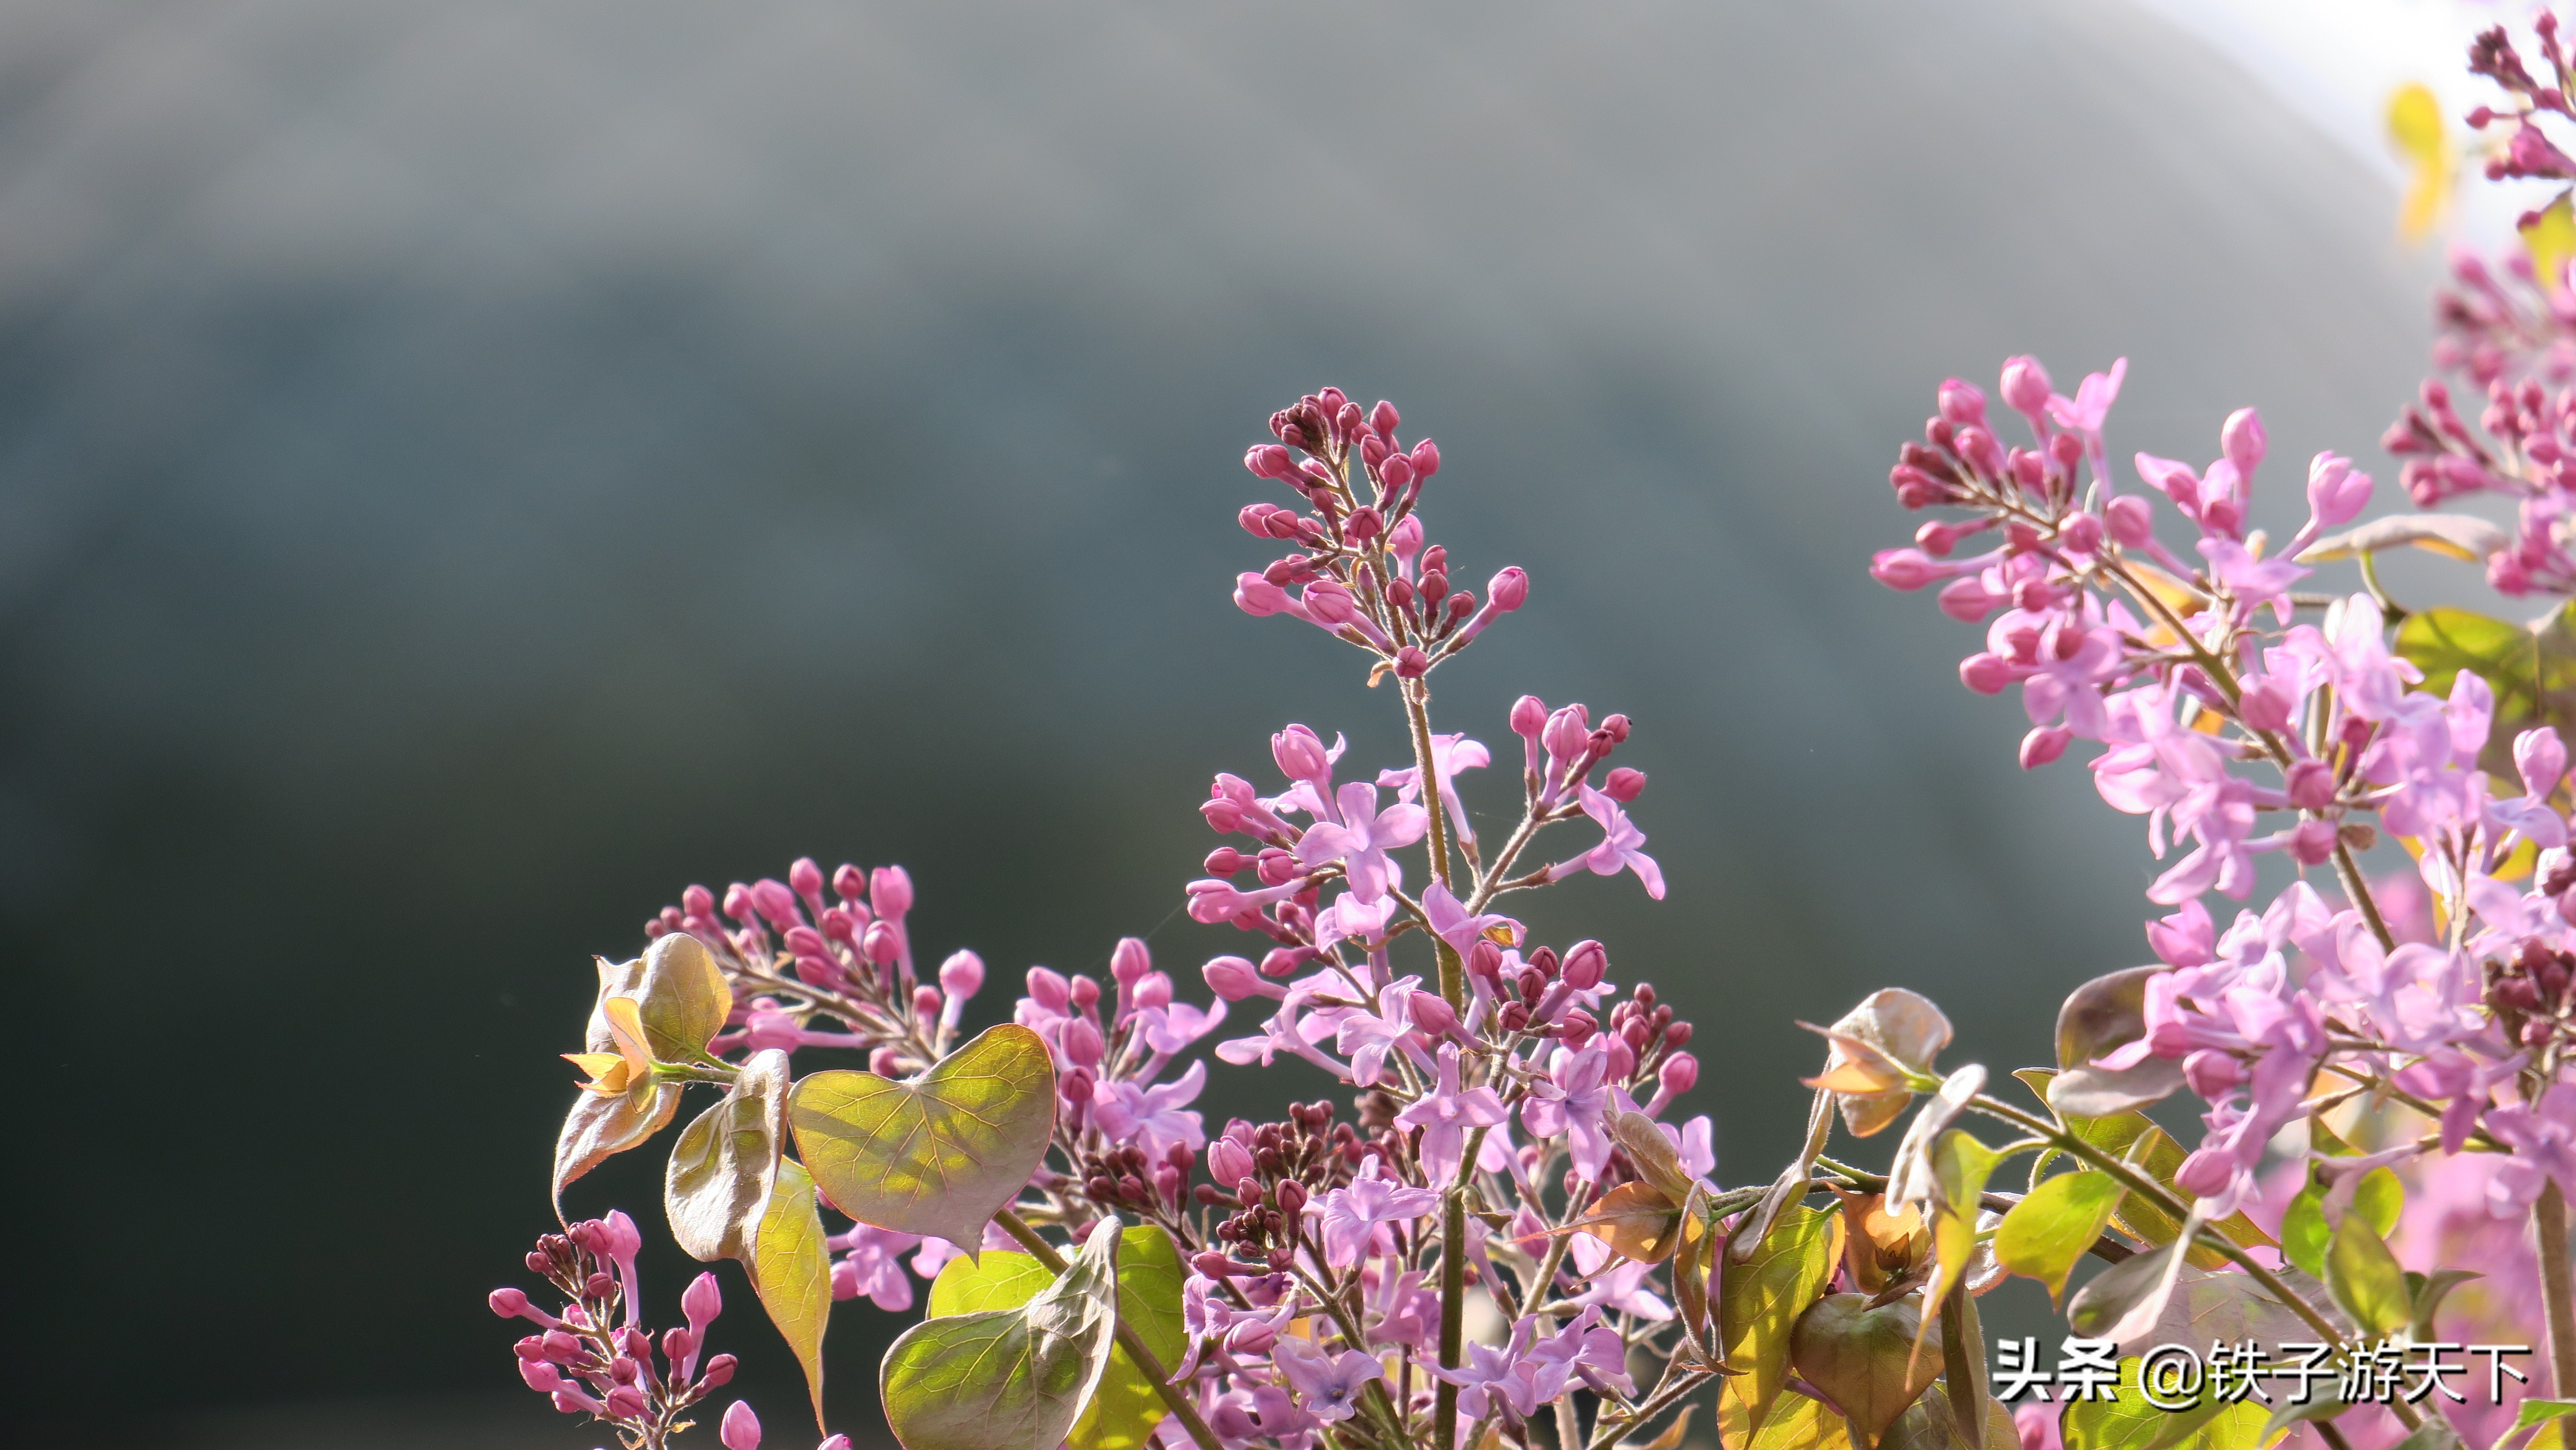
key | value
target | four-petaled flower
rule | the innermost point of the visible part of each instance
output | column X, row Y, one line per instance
column 1351, row 1218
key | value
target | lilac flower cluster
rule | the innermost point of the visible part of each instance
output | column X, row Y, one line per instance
column 594, row 1356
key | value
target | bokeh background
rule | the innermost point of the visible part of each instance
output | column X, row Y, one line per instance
column 467, row 471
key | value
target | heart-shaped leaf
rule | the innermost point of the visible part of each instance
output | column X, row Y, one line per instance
column 681, row 994
column 940, row 1154
column 2052, row 1227
column 2379, row 1197
column 1760, row 1298
column 791, row 1271
column 2099, row 1092
column 2365, row 1279
column 622, row 1105
column 1126, row 1407
column 2211, row 1308
column 2108, row 1012
column 1797, row 1422
column 1658, row 1161
column 1636, row 1220
column 1931, row 1424
column 1008, row 1379
column 2531, row 668
column 1693, row 1254
column 2124, row 1299
column 1863, row 1358
column 1960, row 1166
column 716, row 1186
column 2134, row 1422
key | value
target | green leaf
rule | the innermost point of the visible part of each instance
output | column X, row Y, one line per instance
column 681, row 992
column 937, row 1155
column 2152, row 1151
column 2050, row 1229
column 2206, row 1308
column 1127, row 1407
column 603, row 1125
column 2121, row 1301
column 1864, row 1359
column 1960, row 1166
column 2131, row 1422
column 2535, row 1411
column 1008, row 1379
column 2364, row 1277
column 1930, row 1424
column 791, row 1271
column 1636, row 1220
column 2323, row 1403
column 2434, row 1434
column 1797, row 1422
column 1691, row 1258
column 2425, row 1295
column 1759, row 1301
column 716, row 1187
column 2532, row 669
column 1656, row 1160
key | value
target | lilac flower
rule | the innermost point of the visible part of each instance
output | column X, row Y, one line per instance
column 1368, row 1037
column 1498, row 1373
column 1449, row 755
column 1445, row 1114
column 1262, row 1412
column 1153, row 1116
column 1622, row 1289
column 1328, row 1385
column 1573, row 1100
column 1353, row 1219
column 869, row 1267
column 1450, row 921
column 1618, row 851
column 2543, row 1140
column 1401, row 1311
column 1362, row 843
column 1171, row 1029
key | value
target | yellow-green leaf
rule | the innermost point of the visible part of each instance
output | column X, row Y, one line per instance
column 601, row 1125
column 2050, row 1229
column 791, row 1271
column 1798, row 1422
column 2550, row 238
column 1760, row 1298
column 681, row 993
column 2379, row 1197
column 1126, row 1407
column 2415, row 129
column 2365, row 1279
column 2531, row 668
column 1636, row 1220
column 1864, row 1359
column 939, row 1154
column 2131, row 1422
column 716, row 1186
column 1008, row 1379
column 1960, row 1166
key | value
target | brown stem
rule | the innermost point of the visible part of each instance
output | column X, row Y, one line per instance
column 2549, row 1222
column 1128, row 1339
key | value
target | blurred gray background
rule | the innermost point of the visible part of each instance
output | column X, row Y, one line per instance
column 468, row 470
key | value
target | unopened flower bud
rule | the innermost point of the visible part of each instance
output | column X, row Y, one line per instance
column 1411, row 663
column 882, row 944
column 1049, row 990
column 1433, row 1014
column 1280, row 961
column 1679, row 1074
column 2043, row 745
column 1484, row 959
column 1905, row 569
column 1397, row 473
column 1255, row 518
column 1586, row 963
column 926, row 1002
column 508, row 1303
column 626, row 1402
column 885, row 1062
column 677, row 1345
column 1224, row 861
column 2265, row 705
column 1967, row 601
column 773, row 900
column 1507, row 590
column 1574, row 1027
column 718, row 1373
column 1515, row 1016
column 1211, row 1265
column 1963, row 405
column 962, row 975
column 2130, row 518
column 2311, row 785
column 1624, row 784
column 1269, row 460
column 2312, row 843
column 1078, row 1085
column 2025, row 384
column 572, row 1401
column 1084, row 991
column 1426, row 458
column 1082, row 1044
column 741, row 1428
column 1292, row 1196
column 1231, row 978
column 1986, row 674
column 805, row 878
column 1529, row 715
column 2242, row 439
column 541, row 1375
column 2205, row 1172
column 1129, row 960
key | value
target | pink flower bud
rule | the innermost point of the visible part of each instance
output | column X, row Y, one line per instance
column 806, row 880
column 1987, row 674
column 1624, row 784
column 1050, row 990
column 1529, row 715
column 626, row 1402
column 719, row 1372
column 2242, row 439
column 1300, row 754
column 2044, row 744
column 1426, row 458
column 1905, row 569
column 1280, row 961
column 1433, row 1014
column 1269, row 460
column 619, row 1238
column 925, row 1002
column 2337, row 493
column 774, row 901
column 882, row 944
column 1231, row 978
column 1397, row 471
column 1586, row 963
column 1084, row 991
column 678, row 1344
column 2312, row 843
column 2205, row 1172
column 2081, row 534
column 1963, row 405
column 699, row 902
column 837, row 1442
column 541, row 1375
column 1152, row 990
column 508, row 1303
column 1255, row 518
column 848, row 882
column 886, row 1062
column 1078, row 1085
column 1129, row 960
column 741, row 1428
column 1292, row 1196
column 571, row 1401
column 2266, row 705
column 962, row 975
column 2131, row 520
column 890, row 891
column 1383, row 418
column 1507, row 590
column 1979, row 448
column 1967, row 601
column 2311, row 785
column 2025, row 385
column 1411, row 663
column 1679, row 1074
column 1082, row 1045
column 1568, row 735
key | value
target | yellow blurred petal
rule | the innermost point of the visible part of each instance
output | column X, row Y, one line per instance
column 2551, row 240
column 2415, row 123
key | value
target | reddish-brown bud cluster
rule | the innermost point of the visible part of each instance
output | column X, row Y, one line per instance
column 2530, row 993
